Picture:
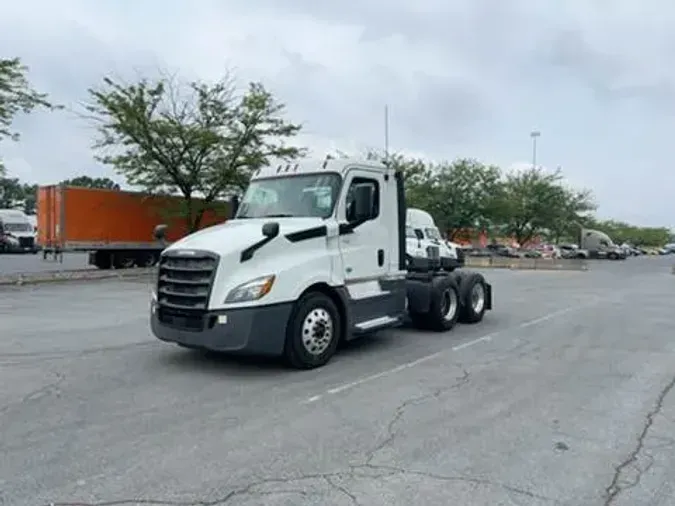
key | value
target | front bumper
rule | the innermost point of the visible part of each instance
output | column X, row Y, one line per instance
column 259, row 330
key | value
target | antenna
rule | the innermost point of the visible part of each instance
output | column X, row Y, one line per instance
column 386, row 134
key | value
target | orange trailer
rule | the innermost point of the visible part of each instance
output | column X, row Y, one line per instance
column 115, row 227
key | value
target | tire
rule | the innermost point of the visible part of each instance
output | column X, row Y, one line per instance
column 313, row 312
column 472, row 297
column 102, row 260
column 146, row 260
column 419, row 321
column 122, row 261
column 445, row 306
column 580, row 256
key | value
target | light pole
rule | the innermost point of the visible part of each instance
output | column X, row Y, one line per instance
column 535, row 134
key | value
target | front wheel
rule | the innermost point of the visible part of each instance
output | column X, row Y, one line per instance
column 313, row 332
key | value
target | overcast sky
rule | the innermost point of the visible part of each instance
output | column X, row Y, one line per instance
column 469, row 78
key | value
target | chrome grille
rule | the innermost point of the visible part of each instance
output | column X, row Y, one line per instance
column 184, row 281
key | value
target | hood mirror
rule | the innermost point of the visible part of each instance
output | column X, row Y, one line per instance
column 159, row 233
column 270, row 229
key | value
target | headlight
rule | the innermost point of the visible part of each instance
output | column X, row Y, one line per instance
column 251, row 290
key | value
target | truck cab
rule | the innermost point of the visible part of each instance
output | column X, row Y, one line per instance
column 422, row 232
column 599, row 245
column 17, row 233
column 315, row 255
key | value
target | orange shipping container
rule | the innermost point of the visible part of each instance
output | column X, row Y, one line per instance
column 115, row 226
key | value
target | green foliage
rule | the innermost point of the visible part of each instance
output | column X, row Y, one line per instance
column 102, row 183
column 14, row 194
column 197, row 139
column 16, row 96
column 11, row 192
column 533, row 202
column 637, row 236
column 29, row 198
column 466, row 194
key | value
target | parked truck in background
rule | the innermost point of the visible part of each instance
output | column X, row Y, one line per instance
column 315, row 256
column 422, row 232
column 115, row 227
column 599, row 245
column 17, row 232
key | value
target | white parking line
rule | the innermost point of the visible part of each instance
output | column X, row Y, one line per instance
column 427, row 358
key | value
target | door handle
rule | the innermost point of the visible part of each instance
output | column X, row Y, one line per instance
column 380, row 257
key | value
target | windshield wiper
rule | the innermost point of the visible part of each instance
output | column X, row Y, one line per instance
column 278, row 216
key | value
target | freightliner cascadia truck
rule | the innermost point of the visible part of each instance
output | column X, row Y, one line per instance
column 315, row 255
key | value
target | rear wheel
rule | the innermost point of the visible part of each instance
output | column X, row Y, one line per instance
column 473, row 298
column 444, row 307
column 313, row 332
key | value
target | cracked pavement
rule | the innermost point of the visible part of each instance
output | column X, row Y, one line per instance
column 572, row 407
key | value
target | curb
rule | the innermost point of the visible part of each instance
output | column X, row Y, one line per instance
column 75, row 275
column 530, row 264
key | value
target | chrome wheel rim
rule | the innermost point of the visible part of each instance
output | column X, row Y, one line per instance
column 317, row 331
column 449, row 304
column 478, row 297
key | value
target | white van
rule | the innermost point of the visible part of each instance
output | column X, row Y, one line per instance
column 17, row 233
column 421, row 232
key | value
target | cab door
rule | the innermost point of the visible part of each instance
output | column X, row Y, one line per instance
column 364, row 247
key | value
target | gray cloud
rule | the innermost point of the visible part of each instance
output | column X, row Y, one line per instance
column 462, row 78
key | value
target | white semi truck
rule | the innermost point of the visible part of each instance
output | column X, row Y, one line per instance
column 315, row 255
column 17, row 232
column 422, row 232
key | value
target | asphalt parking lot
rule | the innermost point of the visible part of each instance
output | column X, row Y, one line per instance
column 29, row 263
column 562, row 396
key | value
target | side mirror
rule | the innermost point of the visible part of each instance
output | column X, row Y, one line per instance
column 420, row 235
column 270, row 229
column 159, row 233
column 363, row 202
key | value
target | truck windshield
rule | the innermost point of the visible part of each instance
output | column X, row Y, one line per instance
column 310, row 195
column 17, row 227
column 433, row 233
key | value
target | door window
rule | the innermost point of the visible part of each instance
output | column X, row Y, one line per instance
column 375, row 189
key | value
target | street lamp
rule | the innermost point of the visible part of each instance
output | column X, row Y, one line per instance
column 535, row 134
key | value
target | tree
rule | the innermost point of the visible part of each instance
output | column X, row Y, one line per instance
column 464, row 194
column 528, row 203
column 11, row 193
column 621, row 232
column 196, row 139
column 103, row 183
column 29, row 192
column 570, row 213
column 417, row 175
column 16, row 96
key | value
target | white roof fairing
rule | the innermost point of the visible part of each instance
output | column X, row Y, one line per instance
column 313, row 166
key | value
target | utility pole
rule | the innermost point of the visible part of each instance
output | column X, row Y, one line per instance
column 386, row 134
column 535, row 134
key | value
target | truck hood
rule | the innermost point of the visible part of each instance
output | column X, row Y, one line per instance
column 235, row 235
